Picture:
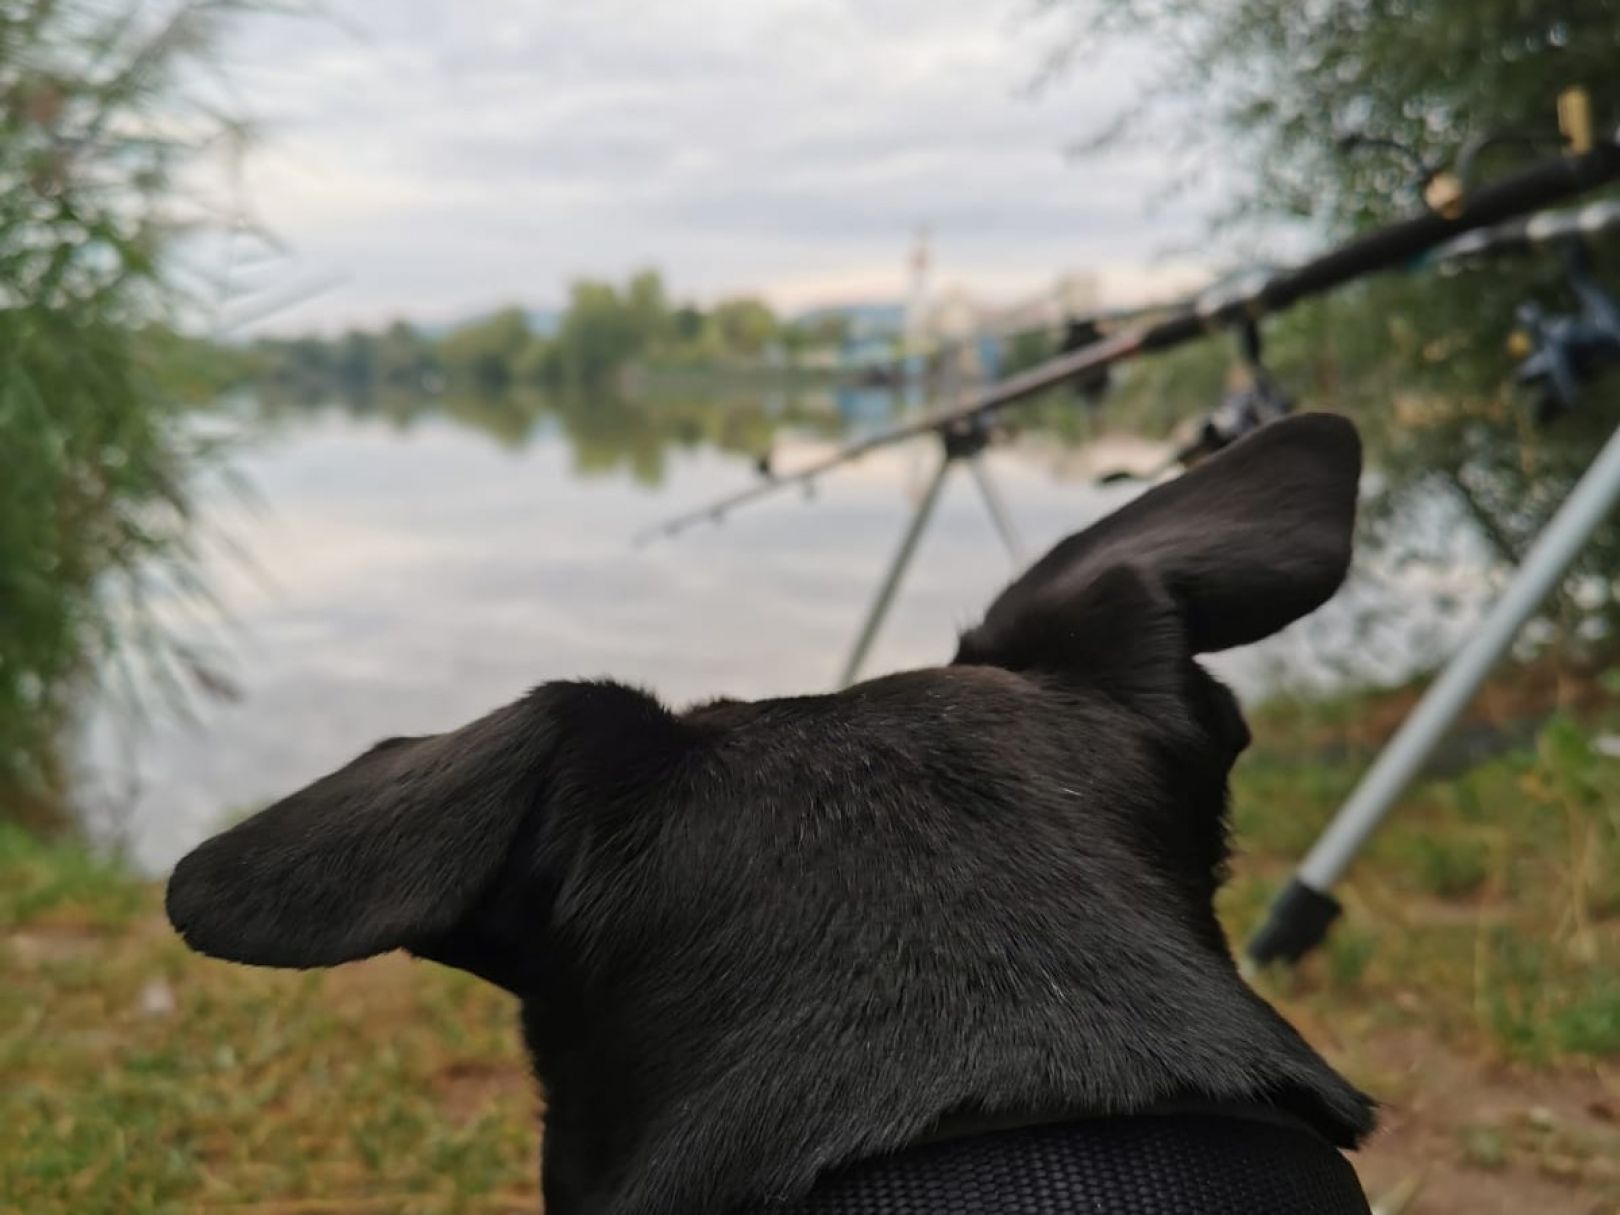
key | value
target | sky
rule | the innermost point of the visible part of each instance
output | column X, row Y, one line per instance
column 437, row 158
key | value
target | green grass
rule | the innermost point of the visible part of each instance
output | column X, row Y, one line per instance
column 40, row 877
column 1491, row 897
column 137, row 1077
column 141, row 1078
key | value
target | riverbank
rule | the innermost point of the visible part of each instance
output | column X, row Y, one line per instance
column 1474, row 987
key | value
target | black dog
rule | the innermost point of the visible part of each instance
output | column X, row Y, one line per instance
column 757, row 943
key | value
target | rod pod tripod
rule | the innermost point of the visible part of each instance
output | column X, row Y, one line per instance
column 961, row 444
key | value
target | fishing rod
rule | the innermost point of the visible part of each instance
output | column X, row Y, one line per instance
column 1056, row 371
column 1554, row 349
column 1560, row 354
column 1069, row 331
column 1530, row 232
column 1245, row 298
column 1259, row 399
column 1010, row 322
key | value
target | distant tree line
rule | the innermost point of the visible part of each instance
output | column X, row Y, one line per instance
column 605, row 330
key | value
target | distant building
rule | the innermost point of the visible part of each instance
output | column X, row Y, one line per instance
column 919, row 293
column 948, row 328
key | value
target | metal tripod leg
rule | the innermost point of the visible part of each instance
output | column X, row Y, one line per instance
column 998, row 509
column 1302, row 913
column 897, row 568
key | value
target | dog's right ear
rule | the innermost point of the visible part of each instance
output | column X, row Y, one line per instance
column 1231, row 551
column 389, row 851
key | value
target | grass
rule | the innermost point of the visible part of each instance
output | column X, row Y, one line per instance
column 139, row 1078
column 1474, row 986
column 41, row 879
column 1487, row 910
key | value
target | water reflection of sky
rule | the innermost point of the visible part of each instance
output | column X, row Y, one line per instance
column 406, row 580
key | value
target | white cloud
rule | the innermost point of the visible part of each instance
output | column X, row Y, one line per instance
column 443, row 155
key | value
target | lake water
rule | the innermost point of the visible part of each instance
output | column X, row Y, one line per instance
column 401, row 574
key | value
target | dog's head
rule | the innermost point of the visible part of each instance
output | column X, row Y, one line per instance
column 754, row 940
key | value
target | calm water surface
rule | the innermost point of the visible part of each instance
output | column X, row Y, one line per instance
column 402, row 578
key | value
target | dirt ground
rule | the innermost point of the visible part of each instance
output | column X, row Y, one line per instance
column 1470, row 1137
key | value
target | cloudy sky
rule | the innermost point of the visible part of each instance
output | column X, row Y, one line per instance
column 436, row 157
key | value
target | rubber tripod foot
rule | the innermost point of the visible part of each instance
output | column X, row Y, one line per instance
column 1296, row 924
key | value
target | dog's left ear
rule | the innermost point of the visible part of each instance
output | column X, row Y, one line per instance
column 392, row 850
column 1241, row 545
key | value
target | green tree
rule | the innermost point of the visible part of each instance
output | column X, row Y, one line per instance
column 483, row 356
column 1335, row 114
column 743, row 326
column 1325, row 110
column 826, row 331
column 649, row 309
column 404, row 358
column 687, row 324
column 96, row 455
column 354, row 364
column 821, row 331
column 598, row 337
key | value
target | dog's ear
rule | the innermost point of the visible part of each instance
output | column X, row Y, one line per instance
column 389, row 851
column 1241, row 545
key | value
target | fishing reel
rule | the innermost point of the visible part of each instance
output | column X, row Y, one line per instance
column 1257, row 400
column 1559, row 353
column 1244, row 409
column 1078, row 333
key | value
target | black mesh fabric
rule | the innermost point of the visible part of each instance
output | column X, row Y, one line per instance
column 1160, row 1165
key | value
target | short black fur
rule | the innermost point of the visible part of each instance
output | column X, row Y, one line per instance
column 757, row 941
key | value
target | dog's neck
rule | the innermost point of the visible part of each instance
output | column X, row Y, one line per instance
column 709, row 1116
